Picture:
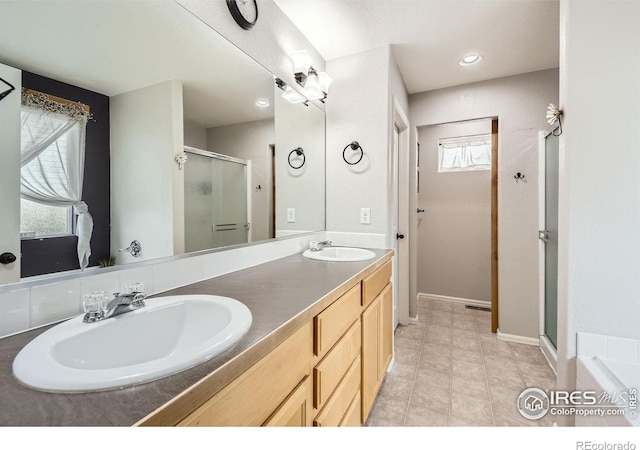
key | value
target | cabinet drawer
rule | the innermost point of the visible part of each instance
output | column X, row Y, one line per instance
column 337, row 406
column 329, row 372
column 296, row 410
column 331, row 323
column 374, row 283
column 251, row 398
column 352, row 417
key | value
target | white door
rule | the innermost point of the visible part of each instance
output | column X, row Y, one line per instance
column 399, row 212
column 10, row 173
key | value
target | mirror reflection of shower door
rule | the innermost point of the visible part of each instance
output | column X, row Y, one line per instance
column 550, row 235
column 215, row 201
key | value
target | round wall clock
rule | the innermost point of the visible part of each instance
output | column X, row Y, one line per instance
column 245, row 12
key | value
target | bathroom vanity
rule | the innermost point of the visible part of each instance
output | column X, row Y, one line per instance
column 316, row 353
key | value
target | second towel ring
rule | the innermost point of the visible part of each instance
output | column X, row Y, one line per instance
column 354, row 146
column 298, row 151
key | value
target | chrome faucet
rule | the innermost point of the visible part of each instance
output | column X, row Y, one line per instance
column 317, row 246
column 120, row 304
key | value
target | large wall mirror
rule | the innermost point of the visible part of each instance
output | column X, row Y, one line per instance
column 189, row 145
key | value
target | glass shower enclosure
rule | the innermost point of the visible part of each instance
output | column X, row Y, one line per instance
column 549, row 236
column 216, row 201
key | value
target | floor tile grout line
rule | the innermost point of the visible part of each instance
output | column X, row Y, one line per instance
column 486, row 375
column 415, row 375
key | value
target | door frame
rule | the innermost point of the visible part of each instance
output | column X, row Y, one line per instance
column 401, row 121
column 545, row 345
column 494, row 225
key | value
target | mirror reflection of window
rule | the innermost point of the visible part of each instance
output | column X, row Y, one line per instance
column 52, row 147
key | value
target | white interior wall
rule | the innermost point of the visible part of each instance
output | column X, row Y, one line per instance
column 10, row 173
column 297, row 125
column 520, row 103
column 146, row 133
column 195, row 136
column 250, row 141
column 358, row 110
column 599, row 209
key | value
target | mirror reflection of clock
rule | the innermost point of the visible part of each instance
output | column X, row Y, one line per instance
column 244, row 12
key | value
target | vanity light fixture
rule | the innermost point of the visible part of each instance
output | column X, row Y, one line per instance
column 291, row 94
column 470, row 59
column 315, row 84
column 262, row 102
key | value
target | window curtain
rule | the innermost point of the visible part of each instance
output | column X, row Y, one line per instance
column 466, row 153
column 52, row 161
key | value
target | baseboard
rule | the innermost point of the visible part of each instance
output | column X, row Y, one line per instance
column 464, row 301
column 518, row 339
column 550, row 353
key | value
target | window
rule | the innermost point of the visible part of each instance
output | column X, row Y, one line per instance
column 465, row 153
column 38, row 220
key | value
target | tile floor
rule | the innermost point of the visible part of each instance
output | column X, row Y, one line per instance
column 450, row 370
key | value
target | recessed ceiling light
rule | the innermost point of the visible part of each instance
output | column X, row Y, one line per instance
column 262, row 102
column 470, row 59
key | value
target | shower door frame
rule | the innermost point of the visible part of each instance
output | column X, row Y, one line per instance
column 549, row 351
column 245, row 162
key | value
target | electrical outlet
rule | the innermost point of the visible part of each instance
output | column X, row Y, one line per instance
column 365, row 215
column 291, row 215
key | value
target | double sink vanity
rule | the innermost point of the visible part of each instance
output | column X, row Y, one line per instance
column 302, row 340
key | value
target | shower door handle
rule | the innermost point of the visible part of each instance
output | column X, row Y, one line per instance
column 543, row 235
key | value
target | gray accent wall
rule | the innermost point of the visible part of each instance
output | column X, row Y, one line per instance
column 454, row 232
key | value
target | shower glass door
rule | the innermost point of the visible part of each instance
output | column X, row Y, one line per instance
column 551, row 240
column 215, row 201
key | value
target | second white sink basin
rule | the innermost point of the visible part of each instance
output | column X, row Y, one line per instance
column 341, row 254
column 168, row 335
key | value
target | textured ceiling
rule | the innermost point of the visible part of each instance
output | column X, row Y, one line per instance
column 428, row 37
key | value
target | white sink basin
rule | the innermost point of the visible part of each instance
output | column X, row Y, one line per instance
column 168, row 335
column 342, row 254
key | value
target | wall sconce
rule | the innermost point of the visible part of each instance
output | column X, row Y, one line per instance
column 315, row 85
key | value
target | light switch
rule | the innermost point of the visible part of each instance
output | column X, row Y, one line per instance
column 291, row 215
column 365, row 215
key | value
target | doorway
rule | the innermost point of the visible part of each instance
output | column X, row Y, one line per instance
column 457, row 214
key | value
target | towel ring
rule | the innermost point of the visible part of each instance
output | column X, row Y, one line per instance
column 298, row 151
column 354, row 146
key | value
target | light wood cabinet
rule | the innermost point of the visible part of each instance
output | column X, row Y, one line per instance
column 329, row 372
column 250, row 399
column 375, row 283
column 331, row 323
column 296, row 411
column 377, row 343
column 338, row 405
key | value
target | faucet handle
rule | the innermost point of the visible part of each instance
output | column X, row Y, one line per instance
column 94, row 301
column 134, row 288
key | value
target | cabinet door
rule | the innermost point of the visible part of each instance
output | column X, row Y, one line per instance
column 296, row 410
column 386, row 331
column 252, row 398
column 370, row 356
